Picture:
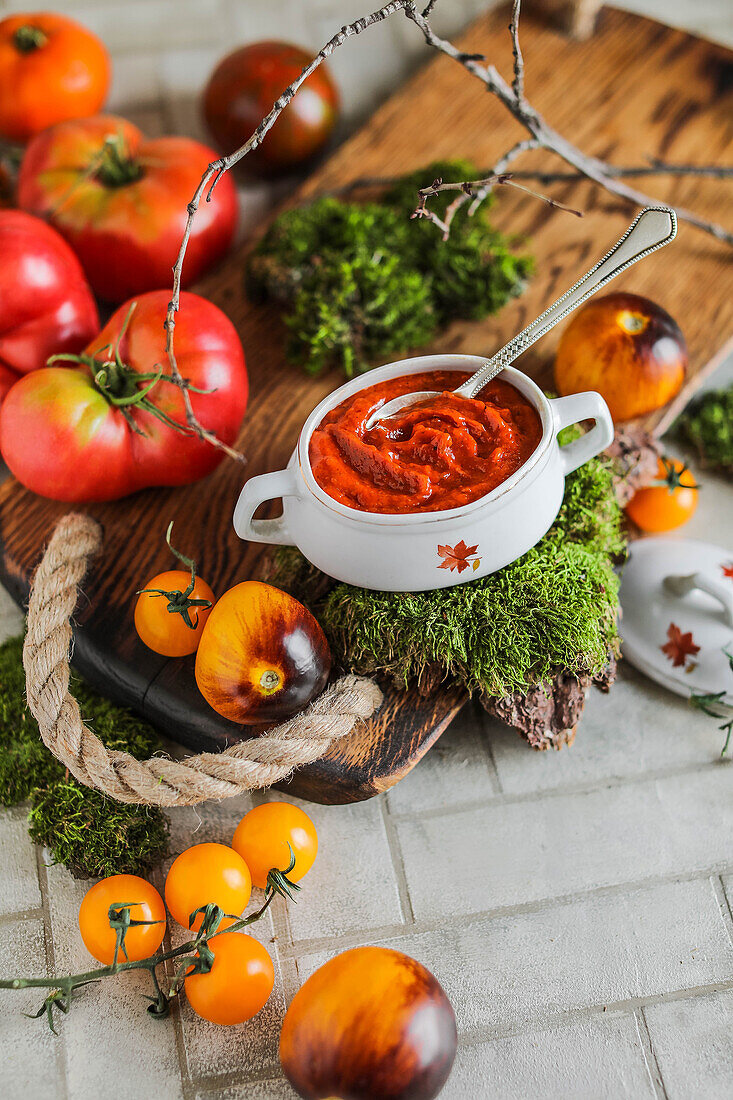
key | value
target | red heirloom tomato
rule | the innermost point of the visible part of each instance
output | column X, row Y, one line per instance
column 140, row 940
column 51, row 69
column 238, row 984
column 371, row 1024
column 246, row 84
column 46, row 305
column 207, row 874
column 113, row 424
column 121, row 202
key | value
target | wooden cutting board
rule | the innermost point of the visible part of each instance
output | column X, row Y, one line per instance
column 636, row 90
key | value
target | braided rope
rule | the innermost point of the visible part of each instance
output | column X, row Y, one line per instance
column 160, row 781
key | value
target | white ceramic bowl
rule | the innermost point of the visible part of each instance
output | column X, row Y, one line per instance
column 424, row 550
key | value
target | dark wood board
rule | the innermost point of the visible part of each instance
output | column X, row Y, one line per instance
column 635, row 90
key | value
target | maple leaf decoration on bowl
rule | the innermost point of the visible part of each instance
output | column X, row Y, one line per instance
column 680, row 646
column 728, row 570
column 459, row 557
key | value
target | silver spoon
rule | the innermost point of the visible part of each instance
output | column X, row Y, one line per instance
column 651, row 229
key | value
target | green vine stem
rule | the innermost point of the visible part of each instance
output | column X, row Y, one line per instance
column 196, row 956
column 673, row 477
column 179, row 603
column 711, row 703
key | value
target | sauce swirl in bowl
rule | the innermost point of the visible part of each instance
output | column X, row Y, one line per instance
column 440, row 454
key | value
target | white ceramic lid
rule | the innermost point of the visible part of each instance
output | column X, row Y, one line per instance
column 671, row 629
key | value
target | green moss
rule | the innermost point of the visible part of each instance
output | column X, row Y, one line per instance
column 95, row 836
column 553, row 609
column 92, row 835
column 707, row 424
column 363, row 281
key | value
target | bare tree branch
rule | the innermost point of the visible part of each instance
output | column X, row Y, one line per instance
column 540, row 136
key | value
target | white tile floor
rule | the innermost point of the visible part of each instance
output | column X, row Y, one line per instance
column 576, row 906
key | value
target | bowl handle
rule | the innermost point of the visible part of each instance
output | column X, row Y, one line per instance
column 571, row 410
column 256, row 491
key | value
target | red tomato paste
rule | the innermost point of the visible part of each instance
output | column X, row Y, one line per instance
column 442, row 453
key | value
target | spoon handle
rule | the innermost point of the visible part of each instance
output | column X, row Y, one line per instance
column 651, row 229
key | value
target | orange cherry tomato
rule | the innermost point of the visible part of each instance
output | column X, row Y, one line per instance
column 140, row 941
column 162, row 627
column 51, row 69
column 262, row 839
column 238, row 984
column 663, row 507
column 203, row 874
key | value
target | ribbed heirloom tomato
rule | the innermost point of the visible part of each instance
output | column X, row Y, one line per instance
column 263, row 835
column 207, row 874
column 51, row 69
column 115, row 422
column 141, row 940
column 46, row 305
column 121, row 202
column 238, row 984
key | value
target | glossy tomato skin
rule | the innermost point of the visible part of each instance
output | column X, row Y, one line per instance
column 51, row 69
column 127, row 235
column 263, row 835
column 141, row 941
column 246, row 84
column 207, row 874
column 371, row 1024
column 657, row 508
column 238, row 984
column 46, row 304
column 166, row 632
column 262, row 656
column 627, row 348
column 62, row 439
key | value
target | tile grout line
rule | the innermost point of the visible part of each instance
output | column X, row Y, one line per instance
column 506, row 799
column 488, row 753
column 398, row 866
column 650, row 1055
column 43, row 886
column 175, row 1016
column 726, row 911
column 538, row 905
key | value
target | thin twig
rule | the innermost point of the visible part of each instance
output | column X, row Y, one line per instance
column 541, row 136
column 518, row 82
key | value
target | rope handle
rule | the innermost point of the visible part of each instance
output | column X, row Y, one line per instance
column 246, row 766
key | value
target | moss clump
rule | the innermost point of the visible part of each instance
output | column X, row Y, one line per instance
column 91, row 834
column 95, row 836
column 707, row 424
column 362, row 281
column 553, row 610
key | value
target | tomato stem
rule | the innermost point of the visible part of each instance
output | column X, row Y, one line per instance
column 179, row 603
column 673, row 477
column 116, row 167
column 29, row 38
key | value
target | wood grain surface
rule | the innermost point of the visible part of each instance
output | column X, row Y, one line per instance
column 636, row 90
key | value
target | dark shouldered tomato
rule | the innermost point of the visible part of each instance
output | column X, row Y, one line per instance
column 121, row 200
column 262, row 656
column 246, row 84
column 371, row 1024
column 51, row 69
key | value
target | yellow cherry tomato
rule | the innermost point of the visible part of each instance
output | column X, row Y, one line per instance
column 204, row 874
column 669, row 504
column 141, row 940
column 238, row 984
column 262, row 839
column 159, row 618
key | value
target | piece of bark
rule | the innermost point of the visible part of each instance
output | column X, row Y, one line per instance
column 636, row 454
column 547, row 716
